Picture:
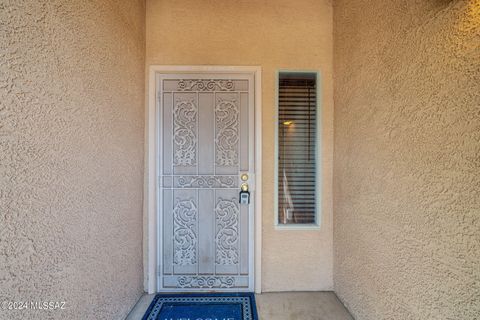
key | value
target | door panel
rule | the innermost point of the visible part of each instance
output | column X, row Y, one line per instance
column 205, row 145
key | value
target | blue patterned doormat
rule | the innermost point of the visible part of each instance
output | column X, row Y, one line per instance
column 202, row 306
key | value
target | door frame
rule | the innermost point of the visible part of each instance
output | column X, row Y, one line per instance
column 150, row 234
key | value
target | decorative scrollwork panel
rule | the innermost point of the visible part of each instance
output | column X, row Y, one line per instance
column 185, row 133
column 185, row 236
column 206, row 182
column 227, row 137
column 206, row 282
column 205, row 85
column 227, row 215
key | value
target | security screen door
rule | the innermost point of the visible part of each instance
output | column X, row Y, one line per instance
column 206, row 147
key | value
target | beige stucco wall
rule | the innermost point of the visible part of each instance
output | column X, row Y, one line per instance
column 407, row 150
column 71, row 156
column 278, row 35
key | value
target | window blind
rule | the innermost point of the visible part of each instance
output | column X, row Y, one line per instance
column 297, row 148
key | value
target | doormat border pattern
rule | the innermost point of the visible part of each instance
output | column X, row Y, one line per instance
column 246, row 299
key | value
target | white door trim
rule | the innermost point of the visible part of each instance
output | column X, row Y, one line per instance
column 150, row 235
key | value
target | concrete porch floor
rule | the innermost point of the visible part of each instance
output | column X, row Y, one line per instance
column 280, row 306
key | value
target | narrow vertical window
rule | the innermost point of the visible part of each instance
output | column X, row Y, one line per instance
column 297, row 148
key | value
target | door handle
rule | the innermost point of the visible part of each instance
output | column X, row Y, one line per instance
column 244, row 194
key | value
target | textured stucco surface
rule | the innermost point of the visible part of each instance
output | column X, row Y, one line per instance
column 71, row 156
column 281, row 35
column 407, row 158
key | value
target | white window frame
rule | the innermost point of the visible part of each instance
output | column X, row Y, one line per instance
column 318, row 156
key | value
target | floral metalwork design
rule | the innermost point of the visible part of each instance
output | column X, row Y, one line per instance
column 205, row 282
column 226, row 239
column 185, row 217
column 206, row 181
column 185, row 133
column 205, row 85
column 226, row 140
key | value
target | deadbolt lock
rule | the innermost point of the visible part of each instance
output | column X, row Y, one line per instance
column 244, row 177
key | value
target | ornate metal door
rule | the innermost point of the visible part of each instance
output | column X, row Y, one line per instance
column 206, row 144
